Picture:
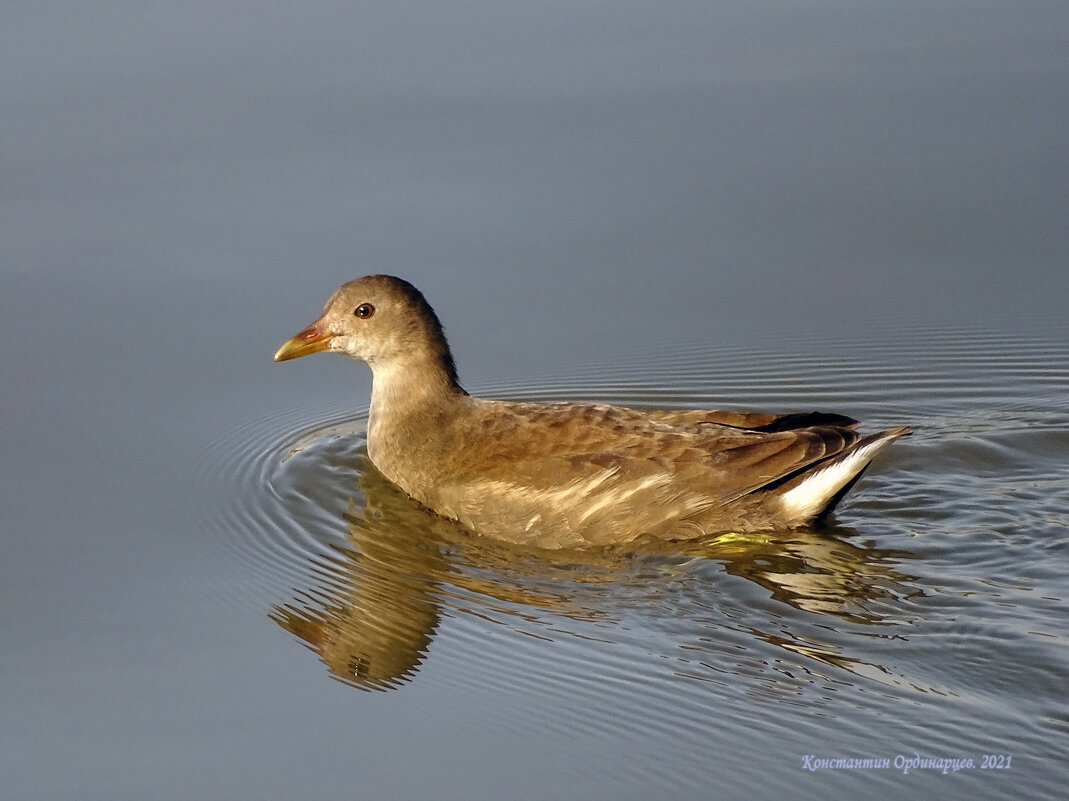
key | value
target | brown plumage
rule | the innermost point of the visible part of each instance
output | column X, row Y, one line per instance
column 572, row 474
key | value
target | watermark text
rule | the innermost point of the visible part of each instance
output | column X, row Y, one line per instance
column 907, row 764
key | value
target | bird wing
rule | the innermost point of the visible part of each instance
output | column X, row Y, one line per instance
column 603, row 467
column 752, row 421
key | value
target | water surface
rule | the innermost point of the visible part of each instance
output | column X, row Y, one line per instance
column 207, row 592
column 928, row 620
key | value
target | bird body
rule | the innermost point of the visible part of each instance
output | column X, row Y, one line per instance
column 574, row 474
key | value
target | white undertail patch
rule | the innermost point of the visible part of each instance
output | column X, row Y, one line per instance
column 811, row 496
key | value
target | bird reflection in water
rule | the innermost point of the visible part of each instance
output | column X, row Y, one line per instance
column 376, row 612
column 381, row 596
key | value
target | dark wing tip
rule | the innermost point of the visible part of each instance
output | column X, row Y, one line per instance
column 790, row 422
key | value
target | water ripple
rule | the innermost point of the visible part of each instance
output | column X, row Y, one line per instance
column 946, row 589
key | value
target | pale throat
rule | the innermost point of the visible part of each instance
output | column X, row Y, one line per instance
column 402, row 393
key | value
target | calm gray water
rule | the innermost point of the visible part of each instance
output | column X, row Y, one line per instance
column 208, row 592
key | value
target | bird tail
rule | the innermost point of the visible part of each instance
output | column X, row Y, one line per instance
column 811, row 495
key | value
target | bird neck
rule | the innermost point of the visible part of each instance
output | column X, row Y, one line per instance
column 407, row 398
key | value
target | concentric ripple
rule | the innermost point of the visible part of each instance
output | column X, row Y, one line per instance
column 944, row 585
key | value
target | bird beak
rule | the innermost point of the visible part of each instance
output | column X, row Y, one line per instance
column 313, row 339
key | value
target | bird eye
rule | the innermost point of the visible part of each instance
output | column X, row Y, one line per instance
column 364, row 310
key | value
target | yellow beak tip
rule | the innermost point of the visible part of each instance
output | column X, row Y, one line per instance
column 308, row 341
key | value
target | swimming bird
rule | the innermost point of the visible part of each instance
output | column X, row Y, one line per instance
column 567, row 474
